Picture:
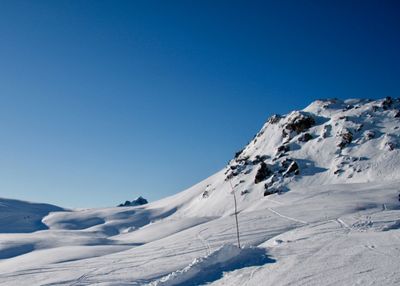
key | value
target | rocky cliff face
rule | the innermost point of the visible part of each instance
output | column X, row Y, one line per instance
column 333, row 139
column 329, row 142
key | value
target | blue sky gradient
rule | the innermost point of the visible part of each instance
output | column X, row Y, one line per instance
column 102, row 101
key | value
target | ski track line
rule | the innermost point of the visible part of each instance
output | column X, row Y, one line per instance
column 83, row 278
column 204, row 242
column 276, row 202
column 287, row 217
column 342, row 223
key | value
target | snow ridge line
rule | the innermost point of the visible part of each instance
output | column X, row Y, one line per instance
column 287, row 217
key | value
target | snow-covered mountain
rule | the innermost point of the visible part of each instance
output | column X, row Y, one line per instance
column 318, row 200
column 329, row 142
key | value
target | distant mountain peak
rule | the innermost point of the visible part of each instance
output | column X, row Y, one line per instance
column 136, row 202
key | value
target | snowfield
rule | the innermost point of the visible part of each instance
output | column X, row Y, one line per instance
column 318, row 202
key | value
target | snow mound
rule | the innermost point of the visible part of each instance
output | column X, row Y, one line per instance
column 23, row 217
column 211, row 267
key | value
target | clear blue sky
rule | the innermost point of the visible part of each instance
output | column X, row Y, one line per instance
column 102, row 101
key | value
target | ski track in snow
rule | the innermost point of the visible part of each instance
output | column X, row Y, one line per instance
column 342, row 223
column 204, row 242
column 287, row 217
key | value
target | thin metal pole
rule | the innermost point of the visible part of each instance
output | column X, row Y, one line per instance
column 236, row 213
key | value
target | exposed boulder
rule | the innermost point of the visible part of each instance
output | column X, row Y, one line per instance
column 285, row 164
column 326, row 131
column 338, row 171
column 237, row 154
column 270, row 192
column 285, row 133
column 397, row 115
column 231, row 175
column 236, row 167
column 244, row 160
column 233, row 167
column 270, row 182
column 274, row 119
column 293, row 168
column 369, row 135
column 299, row 122
column 262, row 173
column 244, row 192
column 348, row 107
column 390, row 145
column 137, row 202
column 283, row 149
column 305, row 137
column 346, row 137
column 258, row 159
column 387, row 103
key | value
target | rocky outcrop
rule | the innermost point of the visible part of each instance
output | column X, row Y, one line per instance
column 274, row 119
column 270, row 192
column 390, row 146
column 387, row 103
column 298, row 122
column 238, row 166
column 258, row 159
column 244, row 192
column 326, row 131
column 305, row 137
column 369, row 135
column 292, row 168
column 238, row 153
column 301, row 143
column 283, row 149
column 262, row 173
column 346, row 137
column 137, row 202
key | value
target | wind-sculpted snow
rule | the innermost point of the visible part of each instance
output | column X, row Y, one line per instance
column 111, row 221
column 325, row 207
column 211, row 267
column 19, row 216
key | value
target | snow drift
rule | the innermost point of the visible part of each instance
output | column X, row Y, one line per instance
column 211, row 267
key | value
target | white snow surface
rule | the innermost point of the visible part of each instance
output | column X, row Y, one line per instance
column 336, row 222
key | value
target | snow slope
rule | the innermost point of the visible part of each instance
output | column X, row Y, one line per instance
column 17, row 216
column 317, row 193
